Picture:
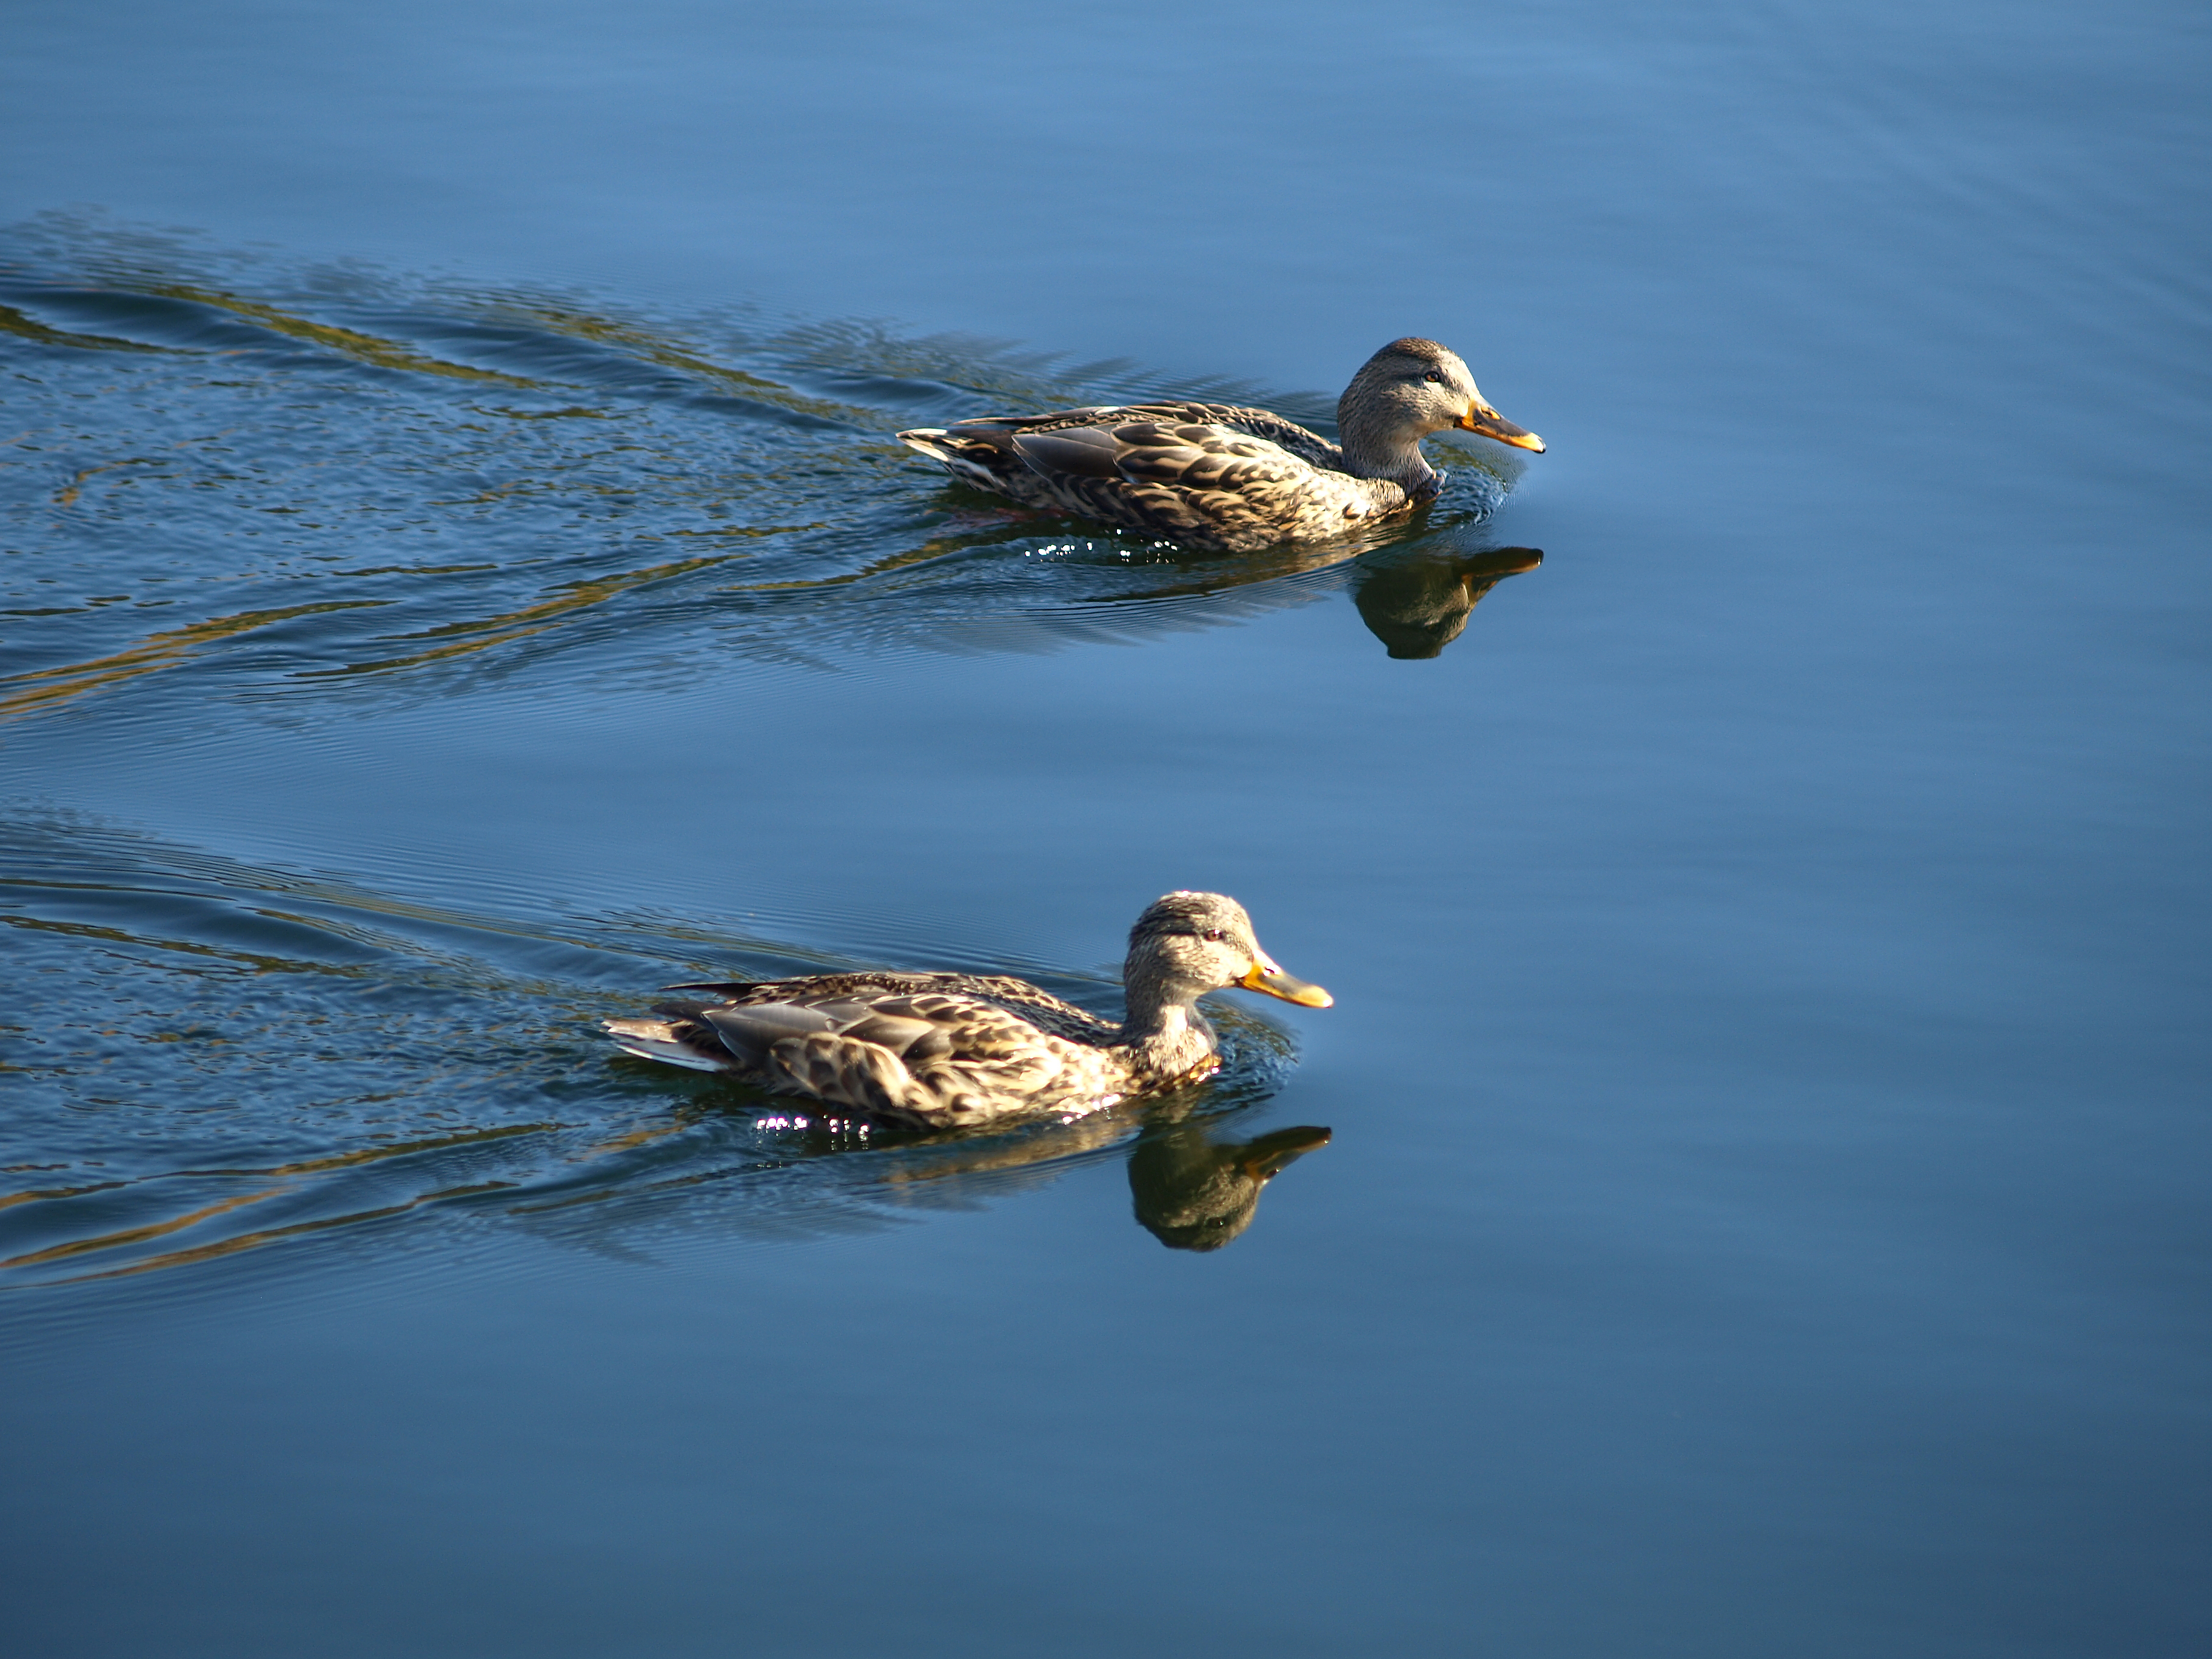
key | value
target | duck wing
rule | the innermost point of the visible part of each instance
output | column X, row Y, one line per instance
column 1263, row 423
column 1052, row 1013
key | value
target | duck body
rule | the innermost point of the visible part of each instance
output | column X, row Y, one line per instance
column 1209, row 476
column 937, row 1051
column 1227, row 478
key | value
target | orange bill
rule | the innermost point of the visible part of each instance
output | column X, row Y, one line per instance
column 1266, row 976
column 1482, row 418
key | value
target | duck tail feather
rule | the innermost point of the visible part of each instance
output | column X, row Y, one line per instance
column 655, row 1039
column 1083, row 453
column 970, row 456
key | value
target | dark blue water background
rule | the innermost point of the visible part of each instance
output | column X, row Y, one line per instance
column 455, row 575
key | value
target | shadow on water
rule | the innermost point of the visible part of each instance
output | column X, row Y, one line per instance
column 202, row 1058
column 248, row 481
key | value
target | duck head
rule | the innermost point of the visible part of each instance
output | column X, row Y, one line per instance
column 1409, row 389
column 1188, row 944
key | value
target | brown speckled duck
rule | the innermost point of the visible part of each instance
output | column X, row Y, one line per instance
column 956, row 1050
column 1215, row 476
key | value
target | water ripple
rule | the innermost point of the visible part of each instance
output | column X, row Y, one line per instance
column 205, row 1058
column 241, row 482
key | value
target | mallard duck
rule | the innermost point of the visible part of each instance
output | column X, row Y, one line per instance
column 956, row 1050
column 1215, row 476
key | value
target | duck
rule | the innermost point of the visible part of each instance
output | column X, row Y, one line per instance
column 958, row 1051
column 1218, row 477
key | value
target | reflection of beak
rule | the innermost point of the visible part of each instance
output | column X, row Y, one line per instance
column 1270, row 1155
column 1499, row 562
column 1264, row 975
column 1482, row 418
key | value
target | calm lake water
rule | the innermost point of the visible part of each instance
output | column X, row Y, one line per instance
column 456, row 576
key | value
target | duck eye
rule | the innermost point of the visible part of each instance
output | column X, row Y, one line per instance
column 1434, row 377
column 1214, row 935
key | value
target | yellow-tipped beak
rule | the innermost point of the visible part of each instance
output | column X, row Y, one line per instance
column 1266, row 976
column 1482, row 418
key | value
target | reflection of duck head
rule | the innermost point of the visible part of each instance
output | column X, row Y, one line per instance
column 1416, row 604
column 1194, row 1192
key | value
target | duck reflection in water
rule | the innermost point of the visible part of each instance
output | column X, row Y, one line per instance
column 1417, row 601
column 1195, row 1192
column 1190, row 1190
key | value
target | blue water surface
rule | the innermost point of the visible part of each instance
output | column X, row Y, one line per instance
column 457, row 575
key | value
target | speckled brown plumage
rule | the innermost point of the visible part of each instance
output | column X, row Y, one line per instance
column 956, row 1050
column 1220, row 477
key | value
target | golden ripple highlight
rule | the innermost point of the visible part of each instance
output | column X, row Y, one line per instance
column 350, row 343
column 42, row 688
column 571, row 598
column 124, row 1237
column 13, row 321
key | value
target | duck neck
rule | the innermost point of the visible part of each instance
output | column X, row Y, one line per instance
column 1166, row 1036
column 1393, row 453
